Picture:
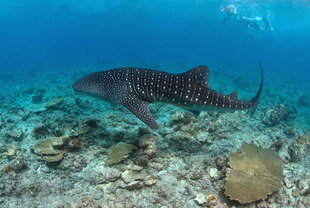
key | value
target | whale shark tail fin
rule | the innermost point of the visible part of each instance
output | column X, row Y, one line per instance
column 259, row 92
column 256, row 99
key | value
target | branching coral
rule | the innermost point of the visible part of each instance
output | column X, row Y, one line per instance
column 256, row 173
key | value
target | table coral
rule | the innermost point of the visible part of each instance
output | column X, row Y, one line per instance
column 120, row 152
column 47, row 151
column 256, row 173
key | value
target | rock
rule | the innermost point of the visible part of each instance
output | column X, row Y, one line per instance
column 297, row 150
column 303, row 139
column 200, row 198
column 119, row 153
column 304, row 100
column 142, row 160
column 143, row 131
column 78, row 101
column 37, row 99
column 202, row 137
column 220, row 163
column 7, row 168
column 16, row 134
column 74, row 144
column 54, row 104
column 118, row 137
column 290, row 131
column 296, row 193
column 45, row 169
column 12, row 151
column 211, row 198
column 135, row 167
column 197, row 174
column 288, row 183
column 134, row 185
column 64, row 205
column 213, row 172
column 277, row 114
column 32, row 190
column 86, row 202
column 111, row 174
column 91, row 122
column 39, row 130
column 129, row 176
column 18, row 165
column 177, row 118
column 28, row 92
column 301, row 184
column 148, row 145
column 212, row 201
column 150, row 180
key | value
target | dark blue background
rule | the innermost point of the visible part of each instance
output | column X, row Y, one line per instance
column 170, row 35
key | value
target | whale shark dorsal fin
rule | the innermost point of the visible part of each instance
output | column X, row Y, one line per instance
column 140, row 109
column 199, row 74
column 233, row 96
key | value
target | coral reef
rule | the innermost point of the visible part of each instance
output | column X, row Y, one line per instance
column 277, row 114
column 304, row 100
column 298, row 148
column 48, row 150
column 256, row 172
column 120, row 152
column 39, row 130
column 182, row 164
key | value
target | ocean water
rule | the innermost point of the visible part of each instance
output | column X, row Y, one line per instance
column 45, row 46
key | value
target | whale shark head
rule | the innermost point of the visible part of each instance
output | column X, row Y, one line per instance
column 104, row 85
column 92, row 85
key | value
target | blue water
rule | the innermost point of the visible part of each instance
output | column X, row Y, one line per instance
column 171, row 35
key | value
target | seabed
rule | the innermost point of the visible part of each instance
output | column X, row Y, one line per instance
column 55, row 144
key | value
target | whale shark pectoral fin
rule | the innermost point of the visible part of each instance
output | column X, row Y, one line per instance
column 140, row 109
column 233, row 96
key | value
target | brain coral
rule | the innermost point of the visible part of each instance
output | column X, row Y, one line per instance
column 256, row 173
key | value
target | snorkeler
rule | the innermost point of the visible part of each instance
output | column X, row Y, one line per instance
column 230, row 11
column 267, row 24
column 256, row 24
column 252, row 23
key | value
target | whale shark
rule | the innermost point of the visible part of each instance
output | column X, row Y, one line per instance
column 136, row 88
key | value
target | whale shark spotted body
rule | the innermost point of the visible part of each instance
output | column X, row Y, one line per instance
column 136, row 88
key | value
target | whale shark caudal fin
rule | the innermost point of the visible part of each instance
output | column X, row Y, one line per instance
column 259, row 92
column 198, row 75
column 140, row 109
